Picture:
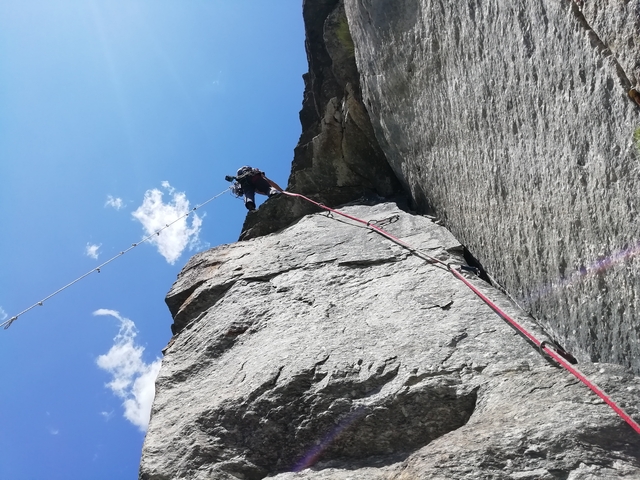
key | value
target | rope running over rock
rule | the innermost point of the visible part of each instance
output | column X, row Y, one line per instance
column 544, row 347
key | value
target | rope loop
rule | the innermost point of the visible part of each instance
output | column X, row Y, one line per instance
column 463, row 268
column 559, row 350
column 544, row 344
column 384, row 221
column 469, row 268
column 8, row 323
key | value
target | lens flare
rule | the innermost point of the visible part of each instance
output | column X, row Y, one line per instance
column 312, row 456
column 598, row 266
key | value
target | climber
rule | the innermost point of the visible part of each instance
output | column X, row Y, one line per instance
column 248, row 182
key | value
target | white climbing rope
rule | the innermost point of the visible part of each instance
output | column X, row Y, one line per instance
column 8, row 323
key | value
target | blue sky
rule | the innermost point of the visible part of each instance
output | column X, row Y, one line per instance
column 110, row 107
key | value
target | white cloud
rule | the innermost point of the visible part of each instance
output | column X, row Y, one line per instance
column 116, row 203
column 107, row 415
column 3, row 315
column 154, row 214
column 133, row 380
column 166, row 185
column 92, row 251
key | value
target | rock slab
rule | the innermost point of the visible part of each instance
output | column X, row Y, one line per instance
column 326, row 351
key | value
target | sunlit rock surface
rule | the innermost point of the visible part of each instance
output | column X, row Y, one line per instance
column 511, row 120
column 324, row 351
column 329, row 350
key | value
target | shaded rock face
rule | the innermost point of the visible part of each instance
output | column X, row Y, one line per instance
column 338, row 158
column 326, row 351
column 511, row 120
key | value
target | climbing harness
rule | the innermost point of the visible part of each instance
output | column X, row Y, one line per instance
column 558, row 354
column 236, row 190
column 97, row 269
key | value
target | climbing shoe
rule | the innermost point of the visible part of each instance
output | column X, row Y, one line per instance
column 251, row 206
column 273, row 192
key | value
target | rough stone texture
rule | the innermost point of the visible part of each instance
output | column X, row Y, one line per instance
column 338, row 158
column 615, row 26
column 329, row 350
column 510, row 120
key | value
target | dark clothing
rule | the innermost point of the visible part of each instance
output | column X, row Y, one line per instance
column 250, row 181
column 252, row 184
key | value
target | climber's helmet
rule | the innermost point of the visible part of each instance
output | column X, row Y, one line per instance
column 242, row 170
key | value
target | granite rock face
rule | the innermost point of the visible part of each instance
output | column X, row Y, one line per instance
column 337, row 159
column 510, row 120
column 328, row 352
column 325, row 351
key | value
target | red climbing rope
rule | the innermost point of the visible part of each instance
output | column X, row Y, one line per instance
column 557, row 356
column 372, row 226
column 561, row 357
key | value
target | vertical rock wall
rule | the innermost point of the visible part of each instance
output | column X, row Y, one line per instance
column 511, row 120
column 337, row 159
